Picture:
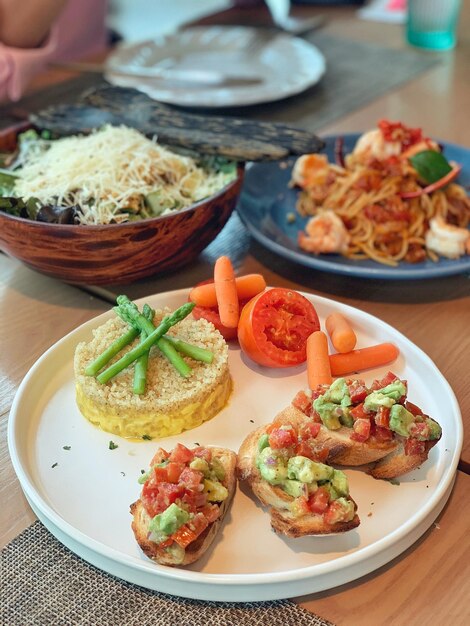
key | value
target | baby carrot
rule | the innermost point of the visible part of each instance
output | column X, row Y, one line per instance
column 226, row 292
column 318, row 363
column 248, row 287
column 341, row 334
column 363, row 359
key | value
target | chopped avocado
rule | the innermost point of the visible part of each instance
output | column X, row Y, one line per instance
column 342, row 513
column 334, row 495
column 435, row 430
column 400, row 420
column 346, row 418
column 305, row 470
column 294, row 488
column 339, row 392
column 216, row 492
column 332, row 405
column 263, row 442
column 143, row 478
column 166, row 523
column 387, row 396
column 340, row 482
column 328, row 411
column 272, row 467
column 201, row 465
column 217, row 469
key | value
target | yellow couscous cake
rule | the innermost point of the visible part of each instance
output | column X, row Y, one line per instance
column 171, row 403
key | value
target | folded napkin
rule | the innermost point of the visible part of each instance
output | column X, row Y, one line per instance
column 44, row 584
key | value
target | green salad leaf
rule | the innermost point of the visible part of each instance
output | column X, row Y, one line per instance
column 430, row 165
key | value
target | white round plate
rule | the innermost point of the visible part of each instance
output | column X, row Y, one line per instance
column 288, row 66
column 82, row 494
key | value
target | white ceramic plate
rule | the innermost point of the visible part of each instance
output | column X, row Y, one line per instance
column 288, row 66
column 84, row 500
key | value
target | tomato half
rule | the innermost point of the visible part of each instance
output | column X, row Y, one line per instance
column 274, row 327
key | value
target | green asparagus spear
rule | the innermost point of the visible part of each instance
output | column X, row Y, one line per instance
column 141, row 365
column 166, row 323
column 129, row 312
column 140, row 369
column 195, row 352
column 106, row 356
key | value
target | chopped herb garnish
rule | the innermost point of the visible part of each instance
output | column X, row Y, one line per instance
column 147, row 437
column 142, row 471
column 112, row 445
column 66, row 447
column 54, row 465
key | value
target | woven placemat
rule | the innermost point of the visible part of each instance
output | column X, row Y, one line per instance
column 42, row 583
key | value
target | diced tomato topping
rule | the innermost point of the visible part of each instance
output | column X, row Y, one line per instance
column 160, row 474
column 181, row 454
column 382, row 417
column 194, row 500
column 303, row 449
column 361, row 430
column 414, row 446
column 412, row 408
column 309, row 430
column 174, row 471
column 420, row 430
column 211, row 512
column 358, row 412
column 302, row 506
column 159, row 456
column 191, row 478
column 389, row 378
column 282, row 438
column 318, row 501
column 302, row 402
column 187, row 533
column 320, row 455
column 357, row 391
column 335, row 513
column 203, row 453
column 383, row 434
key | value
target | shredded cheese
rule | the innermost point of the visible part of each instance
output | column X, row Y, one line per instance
column 109, row 173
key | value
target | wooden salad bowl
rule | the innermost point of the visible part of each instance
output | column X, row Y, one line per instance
column 116, row 253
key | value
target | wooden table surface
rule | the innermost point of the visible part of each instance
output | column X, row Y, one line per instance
column 430, row 582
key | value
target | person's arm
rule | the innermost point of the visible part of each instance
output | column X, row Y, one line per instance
column 26, row 23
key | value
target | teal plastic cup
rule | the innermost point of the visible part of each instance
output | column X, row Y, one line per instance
column 432, row 24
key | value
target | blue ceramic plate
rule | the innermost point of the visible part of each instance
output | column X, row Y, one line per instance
column 266, row 200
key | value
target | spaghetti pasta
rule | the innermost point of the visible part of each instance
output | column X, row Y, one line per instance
column 369, row 194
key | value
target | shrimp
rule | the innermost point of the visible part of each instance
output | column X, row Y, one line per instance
column 309, row 170
column 373, row 144
column 447, row 240
column 324, row 233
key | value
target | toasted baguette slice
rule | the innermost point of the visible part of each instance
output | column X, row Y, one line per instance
column 199, row 546
column 398, row 463
column 278, row 501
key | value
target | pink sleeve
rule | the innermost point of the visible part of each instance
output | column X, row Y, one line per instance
column 79, row 31
column 19, row 65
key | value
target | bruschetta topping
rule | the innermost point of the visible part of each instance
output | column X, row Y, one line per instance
column 313, row 486
column 181, row 493
column 380, row 412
